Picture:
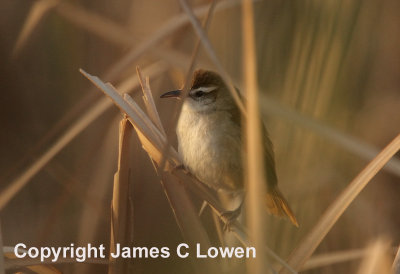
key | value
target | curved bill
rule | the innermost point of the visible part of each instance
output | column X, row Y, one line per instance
column 172, row 94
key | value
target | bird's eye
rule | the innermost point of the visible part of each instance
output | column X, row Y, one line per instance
column 199, row 93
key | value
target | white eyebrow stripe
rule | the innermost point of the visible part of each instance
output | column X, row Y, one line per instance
column 204, row 89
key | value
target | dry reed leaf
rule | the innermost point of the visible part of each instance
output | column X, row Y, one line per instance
column 120, row 202
column 90, row 115
column 254, row 171
column 377, row 258
column 336, row 209
column 36, row 13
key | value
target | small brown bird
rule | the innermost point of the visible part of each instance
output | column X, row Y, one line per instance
column 210, row 140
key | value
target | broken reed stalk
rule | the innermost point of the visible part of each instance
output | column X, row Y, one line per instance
column 336, row 209
column 150, row 139
column 120, row 206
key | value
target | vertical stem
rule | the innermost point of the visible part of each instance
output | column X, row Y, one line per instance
column 255, row 162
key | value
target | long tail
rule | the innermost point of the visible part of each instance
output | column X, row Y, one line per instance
column 278, row 206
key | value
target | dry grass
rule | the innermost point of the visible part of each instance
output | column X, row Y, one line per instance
column 316, row 68
column 336, row 209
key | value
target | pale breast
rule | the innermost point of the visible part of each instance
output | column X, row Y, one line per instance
column 210, row 147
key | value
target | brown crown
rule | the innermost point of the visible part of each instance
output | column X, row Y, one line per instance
column 204, row 78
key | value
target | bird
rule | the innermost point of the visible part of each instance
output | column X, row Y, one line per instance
column 210, row 139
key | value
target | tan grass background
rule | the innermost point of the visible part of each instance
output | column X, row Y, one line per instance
column 328, row 74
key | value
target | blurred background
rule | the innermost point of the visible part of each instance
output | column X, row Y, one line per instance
column 331, row 63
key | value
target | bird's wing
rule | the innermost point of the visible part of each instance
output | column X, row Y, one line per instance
column 275, row 201
column 269, row 160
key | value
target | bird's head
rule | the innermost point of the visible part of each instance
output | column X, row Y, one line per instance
column 208, row 92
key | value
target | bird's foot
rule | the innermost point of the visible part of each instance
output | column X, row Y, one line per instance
column 230, row 216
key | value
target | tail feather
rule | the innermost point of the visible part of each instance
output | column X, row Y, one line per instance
column 278, row 206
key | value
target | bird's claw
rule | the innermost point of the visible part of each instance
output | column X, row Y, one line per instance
column 230, row 216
